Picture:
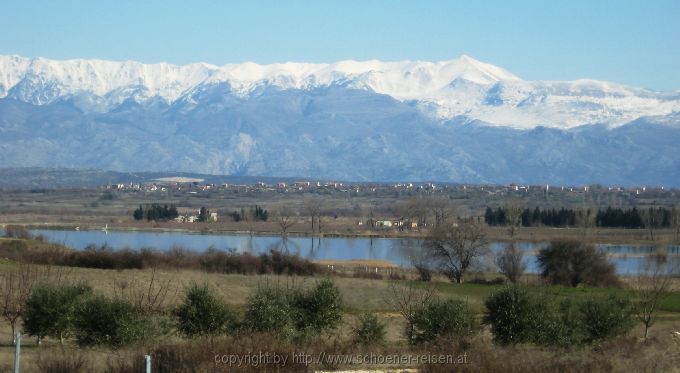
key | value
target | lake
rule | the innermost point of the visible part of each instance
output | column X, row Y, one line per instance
column 627, row 258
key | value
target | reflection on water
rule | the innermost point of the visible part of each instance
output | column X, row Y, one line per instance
column 401, row 251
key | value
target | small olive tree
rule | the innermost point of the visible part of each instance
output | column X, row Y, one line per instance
column 110, row 322
column 511, row 314
column 369, row 330
column 50, row 309
column 203, row 313
column 443, row 319
column 294, row 312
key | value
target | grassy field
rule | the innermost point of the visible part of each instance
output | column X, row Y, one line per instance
column 359, row 295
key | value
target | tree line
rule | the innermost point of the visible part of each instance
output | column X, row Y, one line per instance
column 611, row 217
column 155, row 212
column 256, row 213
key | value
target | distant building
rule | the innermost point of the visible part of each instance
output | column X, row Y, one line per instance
column 383, row 223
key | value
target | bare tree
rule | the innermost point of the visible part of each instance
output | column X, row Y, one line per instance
column 15, row 287
column 675, row 221
column 585, row 217
column 407, row 300
column 441, row 208
column 652, row 285
column 420, row 258
column 286, row 218
column 149, row 296
column 513, row 215
column 313, row 208
column 456, row 247
column 511, row 262
column 650, row 218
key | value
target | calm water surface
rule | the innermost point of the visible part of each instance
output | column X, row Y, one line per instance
column 396, row 250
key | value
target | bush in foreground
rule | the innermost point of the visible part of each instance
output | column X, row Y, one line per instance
column 518, row 317
column 443, row 319
column 203, row 313
column 111, row 322
column 604, row 318
column 294, row 312
column 50, row 309
column 369, row 330
column 511, row 314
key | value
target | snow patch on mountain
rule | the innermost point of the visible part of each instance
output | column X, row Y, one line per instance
column 441, row 90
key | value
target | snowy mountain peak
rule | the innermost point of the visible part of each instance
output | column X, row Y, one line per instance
column 459, row 87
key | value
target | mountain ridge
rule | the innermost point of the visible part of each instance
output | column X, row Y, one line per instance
column 442, row 90
column 344, row 128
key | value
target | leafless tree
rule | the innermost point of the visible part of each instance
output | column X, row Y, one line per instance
column 149, row 296
column 651, row 220
column 675, row 221
column 513, row 215
column 441, row 208
column 15, row 287
column 652, row 285
column 420, row 258
column 286, row 218
column 313, row 208
column 511, row 262
column 407, row 300
column 585, row 217
column 456, row 247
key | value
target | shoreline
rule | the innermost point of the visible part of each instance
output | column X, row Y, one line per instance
column 604, row 236
column 610, row 236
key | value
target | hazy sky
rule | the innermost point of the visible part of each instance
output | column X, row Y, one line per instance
column 631, row 42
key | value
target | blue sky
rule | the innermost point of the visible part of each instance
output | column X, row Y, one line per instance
column 631, row 42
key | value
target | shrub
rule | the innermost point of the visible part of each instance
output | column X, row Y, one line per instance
column 569, row 263
column 294, row 312
column 202, row 313
column 280, row 263
column 50, row 309
column 18, row 231
column 558, row 324
column 447, row 319
column 517, row 317
column 511, row 262
column 111, row 322
column 268, row 311
column 511, row 314
column 369, row 330
column 214, row 260
column 604, row 318
column 319, row 309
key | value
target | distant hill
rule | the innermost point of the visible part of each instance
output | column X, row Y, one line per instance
column 456, row 121
column 36, row 177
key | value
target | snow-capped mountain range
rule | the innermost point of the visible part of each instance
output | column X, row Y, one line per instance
column 460, row 120
column 442, row 90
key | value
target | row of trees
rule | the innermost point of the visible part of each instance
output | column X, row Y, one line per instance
column 515, row 314
column 256, row 213
column 66, row 310
column 155, row 212
column 614, row 217
column 454, row 250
